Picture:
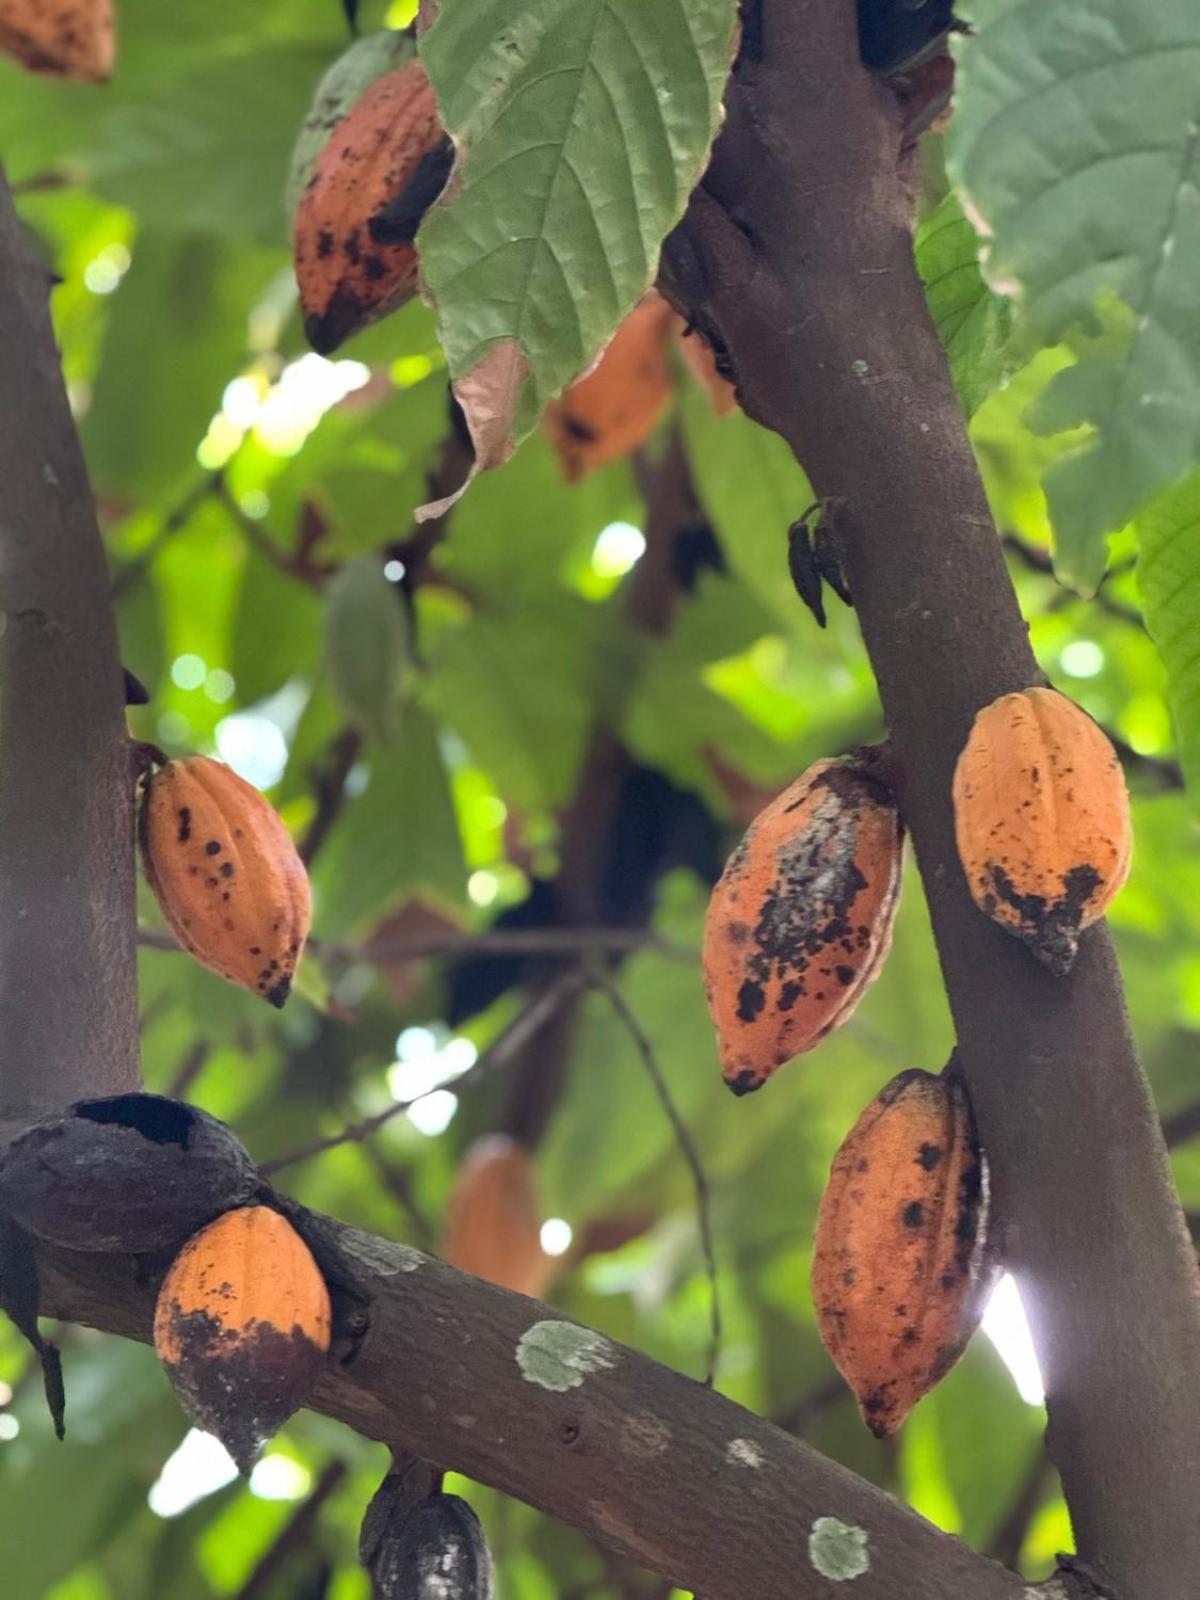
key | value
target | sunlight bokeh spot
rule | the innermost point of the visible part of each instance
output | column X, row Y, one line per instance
column 253, row 746
column 556, row 1236
column 1007, row 1327
column 619, row 546
column 188, row 672
column 434, row 1113
column 1082, row 658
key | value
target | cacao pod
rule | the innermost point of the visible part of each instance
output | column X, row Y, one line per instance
column 614, row 407
column 242, row 1326
column 390, row 141
column 133, row 1172
column 226, row 874
column 1042, row 820
column 493, row 1223
column 70, row 38
column 801, row 919
column 433, row 1550
column 338, row 91
column 900, row 1270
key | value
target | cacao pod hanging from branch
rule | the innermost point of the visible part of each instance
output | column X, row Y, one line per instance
column 900, row 1272
column 242, row 1326
column 801, row 920
column 1042, row 820
column 226, row 874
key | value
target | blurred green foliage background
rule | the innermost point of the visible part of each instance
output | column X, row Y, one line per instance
column 235, row 475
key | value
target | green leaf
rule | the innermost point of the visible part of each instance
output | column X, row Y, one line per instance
column 1074, row 135
column 401, row 834
column 264, row 658
column 365, row 469
column 498, row 548
column 973, row 323
column 210, row 148
column 582, row 126
column 753, row 489
column 1169, row 580
column 514, row 687
column 366, row 645
column 175, row 337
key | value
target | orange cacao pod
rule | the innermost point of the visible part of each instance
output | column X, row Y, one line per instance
column 242, row 1326
column 900, row 1272
column 70, row 38
column 801, row 919
column 493, row 1223
column 1042, row 820
column 615, row 407
column 346, row 278
column 226, row 874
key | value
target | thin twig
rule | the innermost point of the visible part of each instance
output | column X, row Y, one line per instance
column 565, row 942
column 569, row 943
column 1039, row 560
column 687, row 1149
column 798, row 1416
column 174, row 522
column 514, row 1038
column 1006, row 1542
column 189, row 1069
column 294, row 1535
column 398, row 1183
column 330, row 784
column 1166, row 774
column 282, row 560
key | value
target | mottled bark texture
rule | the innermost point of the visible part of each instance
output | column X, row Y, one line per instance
column 68, row 995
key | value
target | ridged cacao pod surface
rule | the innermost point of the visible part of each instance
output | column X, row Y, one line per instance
column 493, row 1222
column 132, row 1172
column 339, row 90
column 226, row 874
column 1042, row 819
column 434, row 1551
column 242, row 1326
column 900, row 1270
column 68, row 38
column 346, row 279
column 801, row 919
column 614, row 407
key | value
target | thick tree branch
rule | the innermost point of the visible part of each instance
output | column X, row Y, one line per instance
column 802, row 242
column 68, row 997
column 647, row 1461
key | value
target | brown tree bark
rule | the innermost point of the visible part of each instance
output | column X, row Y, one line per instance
column 798, row 254
column 68, row 978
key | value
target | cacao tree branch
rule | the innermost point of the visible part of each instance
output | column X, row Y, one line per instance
column 818, row 302
column 68, row 989
column 641, row 1458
